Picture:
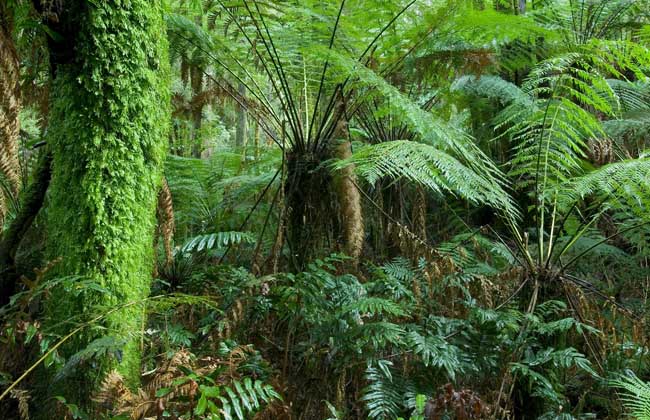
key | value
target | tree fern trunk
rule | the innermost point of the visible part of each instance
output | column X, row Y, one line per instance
column 349, row 199
column 108, row 129
column 166, row 223
column 309, row 206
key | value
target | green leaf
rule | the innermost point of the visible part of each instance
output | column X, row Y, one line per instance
column 163, row 391
column 210, row 391
column 201, row 405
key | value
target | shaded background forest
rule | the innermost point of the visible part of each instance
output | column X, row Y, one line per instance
column 375, row 209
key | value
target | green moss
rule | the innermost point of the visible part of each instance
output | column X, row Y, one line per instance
column 108, row 130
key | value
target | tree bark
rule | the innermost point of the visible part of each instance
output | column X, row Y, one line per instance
column 240, row 133
column 109, row 117
column 196, row 76
column 9, row 110
column 349, row 198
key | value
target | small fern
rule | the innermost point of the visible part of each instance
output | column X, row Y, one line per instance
column 216, row 241
column 635, row 395
column 382, row 396
column 235, row 401
column 435, row 351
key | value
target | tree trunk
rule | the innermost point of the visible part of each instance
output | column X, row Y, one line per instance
column 240, row 133
column 9, row 111
column 109, row 117
column 350, row 201
column 257, row 140
column 309, row 206
column 196, row 80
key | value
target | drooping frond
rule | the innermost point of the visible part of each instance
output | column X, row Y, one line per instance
column 632, row 96
column 623, row 184
column 430, row 167
column 493, row 87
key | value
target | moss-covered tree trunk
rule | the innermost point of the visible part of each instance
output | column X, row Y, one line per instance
column 107, row 134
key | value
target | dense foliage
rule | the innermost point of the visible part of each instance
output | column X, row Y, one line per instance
column 332, row 209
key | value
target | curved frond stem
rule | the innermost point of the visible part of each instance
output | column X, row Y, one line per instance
column 324, row 72
column 593, row 346
column 264, row 63
column 587, row 286
column 591, row 248
column 257, row 95
column 277, row 62
column 250, row 213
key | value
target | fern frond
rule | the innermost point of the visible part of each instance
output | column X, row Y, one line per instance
column 493, row 87
column 102, row 347
column 435, row 351
column 382, row 397
column 431, row 167
column 375, row 306
column 240, row 399
column 624, row 184
column 217, row 240
column 23, row 397
column 636, row 395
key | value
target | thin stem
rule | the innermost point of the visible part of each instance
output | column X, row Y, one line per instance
column 597, row 244
column 67, row 337
column 325, row 66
